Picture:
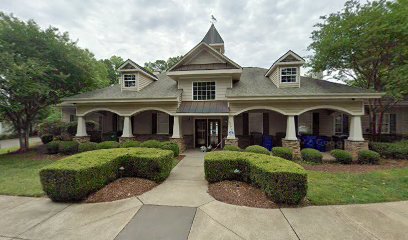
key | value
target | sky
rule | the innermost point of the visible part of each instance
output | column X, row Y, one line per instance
column 255, row 32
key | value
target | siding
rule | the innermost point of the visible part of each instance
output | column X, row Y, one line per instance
column 221, row 86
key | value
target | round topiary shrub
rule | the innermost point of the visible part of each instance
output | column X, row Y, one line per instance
column 107, row 145
column 171, row 146
column 87, row 146
column 52, row 147
column 283, row 152
column 311, row 155
column 368, row 157
column 68, row 147
column 128, row 144
column 151, row 144
column 342, row 156
column 46, row 138
column 232, row 148
column 257, row 149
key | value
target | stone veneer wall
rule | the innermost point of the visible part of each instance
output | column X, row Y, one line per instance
column 354, row 147
column 293, row 144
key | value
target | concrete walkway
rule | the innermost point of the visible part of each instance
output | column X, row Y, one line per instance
column 180, row 208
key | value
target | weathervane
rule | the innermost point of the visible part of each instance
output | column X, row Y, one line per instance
column 213, row 19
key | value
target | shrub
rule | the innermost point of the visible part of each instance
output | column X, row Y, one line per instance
column 87, row 146
column 46, row 138
column 257, row 149
column 107, row 145
column 283, row 181
column 342, row 156
column 232, row 148
column 398, row 150
column 75, row 177
column 129, row 144
column 171, row 146
column 68, row 147
column 151, row 144
column 52, row 147
column 368, row 157
column 283, row 152
column 311, row 155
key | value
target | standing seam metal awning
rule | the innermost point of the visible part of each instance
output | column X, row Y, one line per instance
column 203, row 107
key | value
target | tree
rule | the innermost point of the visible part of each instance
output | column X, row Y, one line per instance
column 37, row 68
column 112, row 64
column 366, row 45
column 162, row 65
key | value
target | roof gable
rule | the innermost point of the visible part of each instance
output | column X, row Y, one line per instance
column 289, row 57
column 130, row 65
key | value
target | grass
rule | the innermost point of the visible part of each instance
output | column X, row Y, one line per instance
column 348, row 188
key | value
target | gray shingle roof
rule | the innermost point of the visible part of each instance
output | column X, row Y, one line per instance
column 212, row 36
column 254, row 83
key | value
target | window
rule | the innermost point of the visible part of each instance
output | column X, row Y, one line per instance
column 288, row 75
column 203, row 90
column 341, row 124
column 129, row 80
column 162, row 123
column 385, row 128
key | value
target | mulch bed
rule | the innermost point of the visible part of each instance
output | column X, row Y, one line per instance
column 120, row 189
column 357, row 168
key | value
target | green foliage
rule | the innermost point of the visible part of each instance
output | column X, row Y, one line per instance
column 397, row 150
column 87, row 146
column 107, row 145
column 68, row 147
column 151, row 144
column 131, row 143
column 52, row 147
column 162, row 65
column 283, row 181
column 232, row 148
column 171, row 146
column 257, row 149
column 283, row 152
column 46, row 138
column 368, row 157
column 342, row 156
column 75, row 177
column 311, row 155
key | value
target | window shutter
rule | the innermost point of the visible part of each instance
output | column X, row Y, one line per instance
column 266, row 123
column 154, row 123
column 171, row 122
column 393, row 123
column 245, row 124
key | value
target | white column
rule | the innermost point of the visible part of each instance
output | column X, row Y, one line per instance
column 81, row 127
column 176, row 127
column 290, row 128
column 127, row 127
column 356, row 132
column 231, row 128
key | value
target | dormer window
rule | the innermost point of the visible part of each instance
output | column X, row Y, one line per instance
column 289, row 75
column 129, row 80
column 203, row 90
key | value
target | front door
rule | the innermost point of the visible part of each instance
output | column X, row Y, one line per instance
column 207, row 132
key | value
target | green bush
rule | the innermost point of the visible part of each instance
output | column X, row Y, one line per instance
column 397, row 150
column 232, row 148
column 342, row 156
column 311, row 155
column 257, row 149
column 368, row 157
column 171, row 146
column 68, row 147
column 46, row 138
column 129, row 144
column 151, row 144
column 87, row 146
column 283, row 181
column 52, row 147
column 283, row 152
column 107, row 145
column 75, row 177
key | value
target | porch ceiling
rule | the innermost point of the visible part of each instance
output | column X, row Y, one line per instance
column 203, row 107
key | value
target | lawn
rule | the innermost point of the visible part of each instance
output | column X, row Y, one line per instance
column 347, row 188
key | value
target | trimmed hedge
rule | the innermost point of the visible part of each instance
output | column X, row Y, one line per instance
column 368, row 157
column 46, row 138
column 342, row 156
column 52, row 147
column 311, row 155
column 171, row 146
column 257, row 149
column 283, row 152
column 283, row 181
column 107, row 145
column 397, row 150
column 232, row 148
column 131, row 143
column 87, row 146
column 75, row 177
column 151, row 144
column 68, row 147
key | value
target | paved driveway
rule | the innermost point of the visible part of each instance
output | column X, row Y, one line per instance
column 180, row 208
column 8, row 143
